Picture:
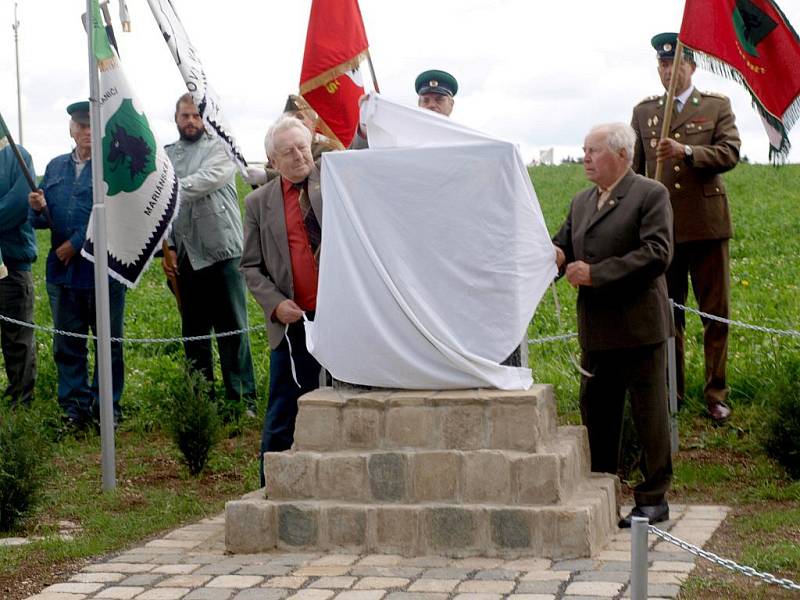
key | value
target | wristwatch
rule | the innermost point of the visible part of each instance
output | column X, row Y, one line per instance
column 687, row 150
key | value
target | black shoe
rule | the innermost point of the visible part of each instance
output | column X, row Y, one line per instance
column 654, row 513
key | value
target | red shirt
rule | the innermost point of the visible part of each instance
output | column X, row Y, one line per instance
column 305, row 272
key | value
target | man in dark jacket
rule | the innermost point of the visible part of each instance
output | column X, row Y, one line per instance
column 18, row 249
column 614, row 247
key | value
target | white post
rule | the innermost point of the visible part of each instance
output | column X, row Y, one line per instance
column 639, row 529
column 103, row 319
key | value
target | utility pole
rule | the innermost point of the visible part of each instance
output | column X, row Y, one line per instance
column 15, row 27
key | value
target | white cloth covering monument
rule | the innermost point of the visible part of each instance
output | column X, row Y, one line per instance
column 435, row 255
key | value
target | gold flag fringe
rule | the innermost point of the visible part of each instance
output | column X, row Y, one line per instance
column 333, row 73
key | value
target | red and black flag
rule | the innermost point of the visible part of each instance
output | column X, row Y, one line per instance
column 751, row 42
column 330, row 80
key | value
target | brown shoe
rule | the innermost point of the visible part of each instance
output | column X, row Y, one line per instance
column 719, row 411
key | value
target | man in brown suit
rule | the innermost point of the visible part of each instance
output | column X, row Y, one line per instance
column 703, row 142
column 282, row 238
column 615, row 247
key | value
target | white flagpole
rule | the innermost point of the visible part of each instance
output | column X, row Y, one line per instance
column 103, row 355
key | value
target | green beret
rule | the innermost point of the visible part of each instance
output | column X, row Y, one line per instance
column 79, row 111
column 436, row 82
column 665, row 44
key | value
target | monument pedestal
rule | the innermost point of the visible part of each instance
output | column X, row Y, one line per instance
column 454, row 473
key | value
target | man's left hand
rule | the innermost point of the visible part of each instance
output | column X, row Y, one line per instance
column 65, row 252
column 579, row 273
column 669, row 149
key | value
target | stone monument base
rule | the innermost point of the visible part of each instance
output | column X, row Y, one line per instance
column 453, row 473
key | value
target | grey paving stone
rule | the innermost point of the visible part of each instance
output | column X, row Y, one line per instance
column 134, row 557
column 496, row 574
column 169, row 559
column 262, row 594
column 618, row 576
column 583, row 564
column 427, row 562
column 615, row 565
column 539, row 587
column 142, row 579
column 294, row 559
column 416, row 596
column 671, row 556
column 220, row 568
column 377, row 571
column 204, row 558
column 265, row 569
column 659, row 590
column 209, row 594
column 446, row 573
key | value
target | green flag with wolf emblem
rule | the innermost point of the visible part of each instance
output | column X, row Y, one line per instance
column 141, row 189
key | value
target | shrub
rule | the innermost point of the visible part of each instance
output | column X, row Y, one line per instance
column 782, row 439
column 192, row 419
column 24, row 452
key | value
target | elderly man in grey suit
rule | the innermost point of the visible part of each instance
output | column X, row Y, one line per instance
column 280, row 263
column 615, row 246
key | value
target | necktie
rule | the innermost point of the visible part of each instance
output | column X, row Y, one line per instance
column 313, row 230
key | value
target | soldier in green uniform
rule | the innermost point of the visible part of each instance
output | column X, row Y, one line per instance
column 435, row 91
column 702, row 143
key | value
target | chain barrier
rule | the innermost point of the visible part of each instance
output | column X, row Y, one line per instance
column 261, row 328
column 787, row 332
column 723, row 562
column 83, row 336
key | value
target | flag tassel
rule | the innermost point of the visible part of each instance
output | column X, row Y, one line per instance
column 777, row 154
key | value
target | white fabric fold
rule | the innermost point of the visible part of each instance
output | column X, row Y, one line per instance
column 435, row 256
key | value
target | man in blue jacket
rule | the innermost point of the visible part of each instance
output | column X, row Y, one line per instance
column 64, row 205
column 18, row 249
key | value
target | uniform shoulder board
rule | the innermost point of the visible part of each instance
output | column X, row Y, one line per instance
column 649, row 99
column 715, row 95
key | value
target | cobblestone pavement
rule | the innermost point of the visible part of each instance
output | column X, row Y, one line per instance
column 190, row 564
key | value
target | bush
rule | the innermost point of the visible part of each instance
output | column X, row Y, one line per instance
column 24, row 452
column 192, row 419
column 782, row 439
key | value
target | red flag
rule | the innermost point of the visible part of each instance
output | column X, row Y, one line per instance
column 751, row 42
column 330, row 81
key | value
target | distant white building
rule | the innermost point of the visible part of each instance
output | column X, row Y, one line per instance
column 546, row 156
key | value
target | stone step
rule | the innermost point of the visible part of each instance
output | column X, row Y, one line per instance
column 345, row 419
column 576, row 528
column 411, row 476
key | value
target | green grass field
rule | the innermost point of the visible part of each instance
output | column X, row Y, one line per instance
column 717, row 465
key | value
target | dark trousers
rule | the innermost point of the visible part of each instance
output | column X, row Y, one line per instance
column 642, row 373
column 213, row 299
column 278, row 432
column 707, row 263
column 17, row 341
column 74, row 310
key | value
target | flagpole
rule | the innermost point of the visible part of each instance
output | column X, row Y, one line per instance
column 103, row 318
column 15, row 27
column 372, row 72
column 666, row 123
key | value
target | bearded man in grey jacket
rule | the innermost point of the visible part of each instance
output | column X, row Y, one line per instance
column 205, row 245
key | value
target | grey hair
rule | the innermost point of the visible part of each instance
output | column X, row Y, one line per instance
column 284, row 123
column 619, row 136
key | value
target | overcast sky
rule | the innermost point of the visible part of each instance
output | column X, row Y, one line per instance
column 533, row 72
